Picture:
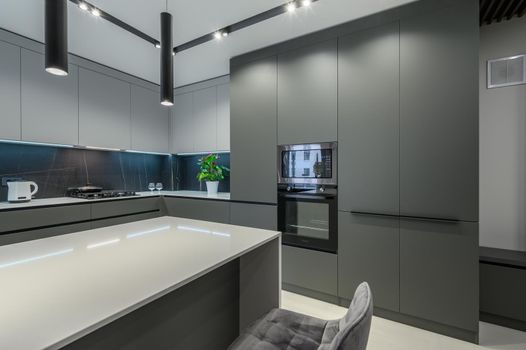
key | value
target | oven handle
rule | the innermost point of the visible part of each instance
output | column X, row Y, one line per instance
column 307, row 196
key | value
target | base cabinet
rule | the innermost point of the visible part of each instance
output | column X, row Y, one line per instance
column 254, row 215
column 439, row 272
column 198, row 209
column 309, row 269
column 368, row 250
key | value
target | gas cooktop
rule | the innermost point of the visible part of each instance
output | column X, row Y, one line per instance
column 101, row 194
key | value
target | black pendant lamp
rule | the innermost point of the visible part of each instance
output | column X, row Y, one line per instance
column 167, row 76
column 56, row 36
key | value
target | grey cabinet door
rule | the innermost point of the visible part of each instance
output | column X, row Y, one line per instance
column 439, row 113
column 198, row 209
column 368, row 250
column 310, row 269
column 254, row 215
column 205, row 120
column 307, row 94
column 10, row 91
column 150, row 121
column 183, row 123
column 223, row 117
column 104, row 111
column 253, row 131
column 439, row 272
column 50, row 104
column 368, row 121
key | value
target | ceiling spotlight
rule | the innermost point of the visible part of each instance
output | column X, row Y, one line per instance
column 158, row 45
column 83, row 6
column 56, row 37
column 225, row 34
column 217, row 35
column 306, row 3
column 95, row 12
column 291, row 6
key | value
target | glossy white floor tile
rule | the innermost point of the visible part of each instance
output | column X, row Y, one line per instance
column 389, row 335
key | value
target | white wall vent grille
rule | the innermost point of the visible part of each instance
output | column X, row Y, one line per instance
column 507, row 71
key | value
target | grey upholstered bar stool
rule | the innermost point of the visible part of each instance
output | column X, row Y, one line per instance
column 287, row 330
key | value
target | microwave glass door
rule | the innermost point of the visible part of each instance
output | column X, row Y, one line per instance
column 306, row 164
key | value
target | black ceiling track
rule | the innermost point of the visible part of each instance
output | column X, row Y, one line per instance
column 498, row 10
column 260, row 17
column 119, row 23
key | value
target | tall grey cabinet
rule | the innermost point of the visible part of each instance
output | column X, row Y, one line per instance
column 104, row 111
column 10, row 91
column 307, row 94
column 439, row 114
column 49, row 103
column 368, row 121
column 253, row 128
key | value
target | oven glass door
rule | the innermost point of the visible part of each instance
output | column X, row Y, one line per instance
column 308, row 222
column 307, row 164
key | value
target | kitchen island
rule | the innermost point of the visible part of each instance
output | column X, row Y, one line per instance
column 161, row 283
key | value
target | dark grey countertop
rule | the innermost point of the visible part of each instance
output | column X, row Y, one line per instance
column 512, row 258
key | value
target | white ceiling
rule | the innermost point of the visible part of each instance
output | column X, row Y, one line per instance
column 100, row 41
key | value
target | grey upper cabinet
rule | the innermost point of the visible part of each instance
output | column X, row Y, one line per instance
column 183, row 123
column 439, row 113
column 439, row 272
column 368, row 250
column 205, row 120
column 10, row 91
column 223, row 117
column 368, row 121
column 307, row 94
column 49, row 103
column 253, row 131
column 150, row 121
column 104, row 111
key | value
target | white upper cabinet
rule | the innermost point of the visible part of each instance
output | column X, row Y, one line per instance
column 104, row 111
column 201, row 119
column 205, row 120
column 49, row 102
column 150, row 121
column 9, row 91
column 182, row 123
column 223, row 117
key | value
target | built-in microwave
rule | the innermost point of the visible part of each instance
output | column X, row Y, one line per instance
column 314, row 164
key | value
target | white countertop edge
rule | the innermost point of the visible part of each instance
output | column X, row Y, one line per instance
column 76, row 336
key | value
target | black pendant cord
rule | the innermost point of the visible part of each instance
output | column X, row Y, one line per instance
column 118, row 22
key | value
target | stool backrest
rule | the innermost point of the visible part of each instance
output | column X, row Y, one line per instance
column 356, row 324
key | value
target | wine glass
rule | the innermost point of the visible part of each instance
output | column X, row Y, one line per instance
column 151, row 187
column 159, row 186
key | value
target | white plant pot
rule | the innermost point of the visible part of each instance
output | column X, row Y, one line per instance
column 211, row 187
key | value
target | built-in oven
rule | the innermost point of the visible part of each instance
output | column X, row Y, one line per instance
column 308, row 218
column 314, row 164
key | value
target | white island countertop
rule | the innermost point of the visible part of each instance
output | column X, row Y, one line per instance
column 56, row 290
column 45, row 202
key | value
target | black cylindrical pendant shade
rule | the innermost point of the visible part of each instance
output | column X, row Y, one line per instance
column 167, row 76
column 56, row 36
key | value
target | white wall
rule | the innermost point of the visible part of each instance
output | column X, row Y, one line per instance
column 502, row 143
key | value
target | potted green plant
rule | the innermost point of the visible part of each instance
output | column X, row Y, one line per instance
column 211, row 172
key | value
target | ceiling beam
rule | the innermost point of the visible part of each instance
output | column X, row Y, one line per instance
column 499, row 15
column 484, row 7
column 521, row 11
column 511, row 10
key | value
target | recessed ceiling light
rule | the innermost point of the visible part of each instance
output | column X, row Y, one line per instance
column 83, row 6
column 291, row 6
column 217, row 35
column 95, row 12
column 306, row 3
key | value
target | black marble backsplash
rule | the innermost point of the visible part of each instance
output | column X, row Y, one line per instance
column 55, row 169
column 186, row 169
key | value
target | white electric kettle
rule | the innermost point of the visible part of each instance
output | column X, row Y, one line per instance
column 20, row 191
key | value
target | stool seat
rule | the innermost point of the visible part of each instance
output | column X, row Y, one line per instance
column 286, row 330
